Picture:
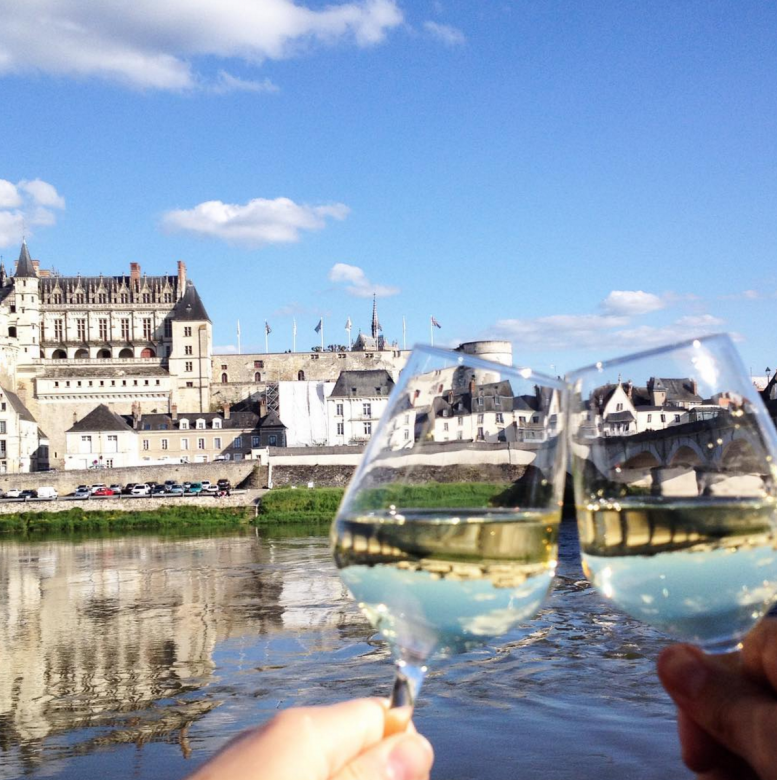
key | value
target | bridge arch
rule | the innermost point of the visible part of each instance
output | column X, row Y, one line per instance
column 642, row 460
column 687, row 453
column 740, row 453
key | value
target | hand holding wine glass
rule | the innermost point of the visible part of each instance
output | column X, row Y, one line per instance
column 673, row 462
column 447, row 534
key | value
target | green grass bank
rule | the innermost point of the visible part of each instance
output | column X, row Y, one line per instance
column 287, row 505
column 163, row 518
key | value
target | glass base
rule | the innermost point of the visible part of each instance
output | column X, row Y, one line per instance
column 722, row 646
column 407, row 684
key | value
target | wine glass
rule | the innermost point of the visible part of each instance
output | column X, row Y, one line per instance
column 447, row 534
column 672, row 456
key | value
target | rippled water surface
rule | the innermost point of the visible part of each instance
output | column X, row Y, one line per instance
column 138, row 657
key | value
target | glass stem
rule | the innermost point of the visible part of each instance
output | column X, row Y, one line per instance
column 407, row 684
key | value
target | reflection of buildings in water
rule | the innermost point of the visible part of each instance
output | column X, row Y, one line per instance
column 113, row 625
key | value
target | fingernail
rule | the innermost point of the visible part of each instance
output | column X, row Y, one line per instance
column 411, row 758
column 683, row 670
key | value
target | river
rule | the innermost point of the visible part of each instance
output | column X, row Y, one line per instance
column 138, row 656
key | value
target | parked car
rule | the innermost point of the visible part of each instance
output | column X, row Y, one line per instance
column 128, row 488
column 46, row 491
column 117, row 489
column 82, row 492
column 168, row 484
column 12, row 493
column 208, row 486
column 98, row 486
column 158, row 490
column 25, row 494
column 176, row 490
column 102, row 491
column 224, row 484
column 141, row 489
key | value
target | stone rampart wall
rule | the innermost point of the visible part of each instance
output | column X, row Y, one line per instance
column 320, row 476
column 67, row 481
column 247, row 498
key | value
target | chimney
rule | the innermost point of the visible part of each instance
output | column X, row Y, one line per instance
column 135, row 274
column 36, row 266
column 226, row 410
column 694, row 387
column 174, row 412
column 135, row 415
column 472, row 385
column 181, row 278
column 629, row 388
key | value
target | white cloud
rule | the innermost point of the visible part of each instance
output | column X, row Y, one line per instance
column 257, row 223
column 450, row 36
column 358, row 283
column 226, row 82
column 631, row 302
column 153, row 45
column 25, row 206
column 615, row 329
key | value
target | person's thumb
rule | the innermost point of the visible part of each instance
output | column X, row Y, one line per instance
column 735, row 711
column 401, row 757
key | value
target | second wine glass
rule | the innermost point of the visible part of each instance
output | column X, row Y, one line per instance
column 447, row 534
column 673, row 458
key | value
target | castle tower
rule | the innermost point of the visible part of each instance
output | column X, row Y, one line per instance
column 27, row 302
column 190, row 362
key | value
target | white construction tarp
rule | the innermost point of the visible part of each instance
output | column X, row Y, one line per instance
column 303, row 412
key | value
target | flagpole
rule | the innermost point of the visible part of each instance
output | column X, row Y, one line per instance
column 404, row 334
column 238, row 337
column 322, row 334
column 266, row 339
column 294, row 335
column 431, row 331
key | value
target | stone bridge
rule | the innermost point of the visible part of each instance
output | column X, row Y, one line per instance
column 705, row 445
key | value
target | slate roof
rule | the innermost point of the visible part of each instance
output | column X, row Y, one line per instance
column 101, row 419
column 18, row 406
column 363, row 384
column 113, row 372
column 165, row 422
column 190, row 308
column 24, row 266
column 620, row 417
column 271, row 420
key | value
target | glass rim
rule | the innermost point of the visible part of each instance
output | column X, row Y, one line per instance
column 465, row 359
column 601, row 365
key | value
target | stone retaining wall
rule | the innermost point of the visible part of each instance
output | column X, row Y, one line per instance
column 247, row 498
column 65, row 482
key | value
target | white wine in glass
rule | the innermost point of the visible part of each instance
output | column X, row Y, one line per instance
column 447, row 535
column 673, row 458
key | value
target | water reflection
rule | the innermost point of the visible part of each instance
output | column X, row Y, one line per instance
column 176, row 645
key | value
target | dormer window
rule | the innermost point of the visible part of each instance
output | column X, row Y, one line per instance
column 200, row 424
column 217, row 423
column 184, row 425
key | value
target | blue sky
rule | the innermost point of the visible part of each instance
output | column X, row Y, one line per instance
column 585, row 179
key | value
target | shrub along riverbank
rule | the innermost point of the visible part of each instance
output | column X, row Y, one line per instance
column 163, row 518
column 287, row 505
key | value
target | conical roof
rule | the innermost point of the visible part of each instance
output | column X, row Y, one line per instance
column 190, row 307
column 24, row 266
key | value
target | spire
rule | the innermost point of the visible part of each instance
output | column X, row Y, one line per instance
column 375, row 324
column 24, row 266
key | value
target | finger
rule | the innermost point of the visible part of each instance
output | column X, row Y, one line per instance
column 401, row 757
column 306, row 742
column 704, row 755
column 732, row 709
column 759, row 652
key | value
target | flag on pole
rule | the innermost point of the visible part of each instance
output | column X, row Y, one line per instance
column 319, row 326
column 435, row 323
column 348, row 325
column 294, row 327
column 267, row 328
column 238, row 328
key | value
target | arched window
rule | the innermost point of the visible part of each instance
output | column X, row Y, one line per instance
column 59, row 354
column 257, row 377
column 104, row 354
column 126, row 353
column 224, row 378
column 301, row 376
column 82, row 354
column 148, row 353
